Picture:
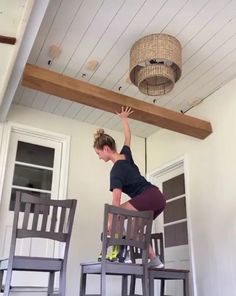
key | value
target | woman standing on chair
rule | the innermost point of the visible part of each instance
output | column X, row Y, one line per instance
column 125, row 177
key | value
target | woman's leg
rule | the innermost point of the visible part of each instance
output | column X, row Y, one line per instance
column 151, row 199
column 127, row 205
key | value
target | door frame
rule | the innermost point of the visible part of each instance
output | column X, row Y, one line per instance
column 166, row 168
column 10, row 127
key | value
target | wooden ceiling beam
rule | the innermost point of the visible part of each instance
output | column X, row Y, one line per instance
column 85, row 93
column 7, row 40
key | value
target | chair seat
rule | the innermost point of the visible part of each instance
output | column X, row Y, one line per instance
column 170, row 270
column 164, row 273
column 112, row 268
column 33, row 263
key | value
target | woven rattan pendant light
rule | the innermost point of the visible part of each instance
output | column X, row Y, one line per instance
column 155, row 64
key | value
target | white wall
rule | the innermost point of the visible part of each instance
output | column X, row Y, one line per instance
column 88, row 182
column 211, row 171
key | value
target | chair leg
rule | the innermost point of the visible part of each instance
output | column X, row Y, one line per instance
column 103, row 283
column 124, row 285
column 8, row 282
column 132, row 285
column 162, row 287
column 62, row 283
column 83, row 279
column 186, row 285
column 1, row 279
column 145, row 286
column 51, row 283
column 151, row 285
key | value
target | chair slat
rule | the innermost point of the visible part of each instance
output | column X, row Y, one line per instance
column 45, row 217
column 141, row 229
column 36, row 217
column 136, row 228
column 129, row 227
column 114, row 228
column 122, row 225
column 54, row 219
column 26, row 216
column 62, row 220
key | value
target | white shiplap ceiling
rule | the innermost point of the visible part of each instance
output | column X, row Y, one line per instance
column 13, row 16
column 105, row 31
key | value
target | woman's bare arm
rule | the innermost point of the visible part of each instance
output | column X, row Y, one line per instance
column 124, row 114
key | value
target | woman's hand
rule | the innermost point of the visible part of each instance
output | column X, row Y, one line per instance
column 125, row 112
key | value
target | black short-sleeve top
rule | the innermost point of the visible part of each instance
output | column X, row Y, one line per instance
column 125, row 175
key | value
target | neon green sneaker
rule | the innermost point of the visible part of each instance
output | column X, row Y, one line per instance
column 114, row 254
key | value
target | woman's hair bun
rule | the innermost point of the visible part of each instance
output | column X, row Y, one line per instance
column 101, row 139
column 99, row 133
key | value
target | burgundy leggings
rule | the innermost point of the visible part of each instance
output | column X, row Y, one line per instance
column 149, row 200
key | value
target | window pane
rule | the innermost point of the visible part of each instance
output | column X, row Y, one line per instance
column 176, row 235
column 174, row 187
column 175, row 210
column 35, row 154
column 32, row 177
column 37, row 194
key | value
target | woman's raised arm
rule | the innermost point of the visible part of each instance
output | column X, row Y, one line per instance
column 124, row 114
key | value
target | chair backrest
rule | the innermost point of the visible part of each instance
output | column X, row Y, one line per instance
column 156, row 240
column 41, row 218
column 158, row 245
column 129, row 228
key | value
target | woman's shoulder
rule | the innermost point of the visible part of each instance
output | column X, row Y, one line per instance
column 125, row 149
column 118, row 166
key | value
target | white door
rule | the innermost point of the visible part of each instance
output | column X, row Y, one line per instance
column 33, row 165
column 177, row 253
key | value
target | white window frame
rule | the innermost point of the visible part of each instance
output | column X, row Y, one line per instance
column 10, row 127
column 181, row 161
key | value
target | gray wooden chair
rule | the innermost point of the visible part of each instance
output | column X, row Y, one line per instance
column 137, row 233
column 161, row 274
column 39, row 218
